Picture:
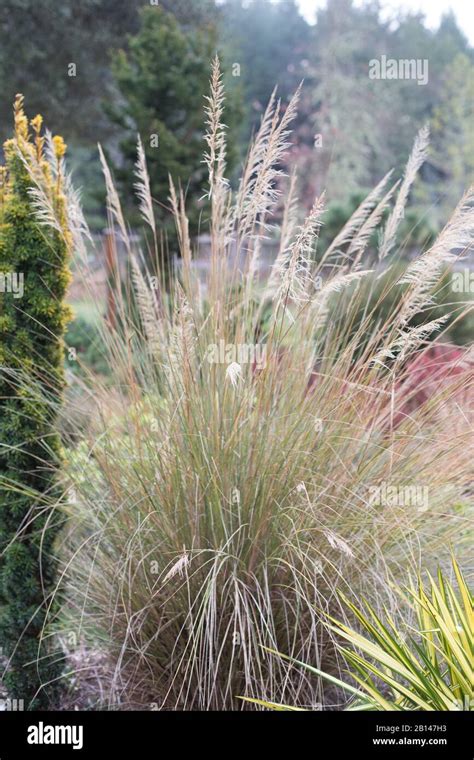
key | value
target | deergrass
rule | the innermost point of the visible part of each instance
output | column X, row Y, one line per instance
column 217, row 507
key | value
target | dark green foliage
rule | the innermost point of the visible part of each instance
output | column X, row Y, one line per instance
column 46, row 37
column 162, row 79
column 382, row 294
column 31, row 383
column 85, row 337
column 270, row 42
column 416, row 232
column 191, row 13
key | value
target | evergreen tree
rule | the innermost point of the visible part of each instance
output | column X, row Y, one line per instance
column 33, row 256
column 191, row 13
column 162, row 79
column 64, row 49
column 270, row 43
column 346, row 124
column 453, row 133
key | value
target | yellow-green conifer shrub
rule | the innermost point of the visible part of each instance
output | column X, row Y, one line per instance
column 34, row 251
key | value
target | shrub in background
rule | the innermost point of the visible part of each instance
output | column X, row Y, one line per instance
column 416, row 232
column 31, row 348
column 381, row 291
column 84, row 336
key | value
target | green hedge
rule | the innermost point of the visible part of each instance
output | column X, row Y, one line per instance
column 31, row 384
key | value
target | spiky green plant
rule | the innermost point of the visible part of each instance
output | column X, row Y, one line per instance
column 32, row 323
column 426, row 664
column 222, row 490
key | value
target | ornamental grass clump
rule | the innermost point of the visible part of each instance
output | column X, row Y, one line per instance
column 34, row 250
column 233, row 475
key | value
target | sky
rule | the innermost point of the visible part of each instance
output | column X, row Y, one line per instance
column 433, row 9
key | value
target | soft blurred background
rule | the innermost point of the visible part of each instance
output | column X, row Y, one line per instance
column 103, row 70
